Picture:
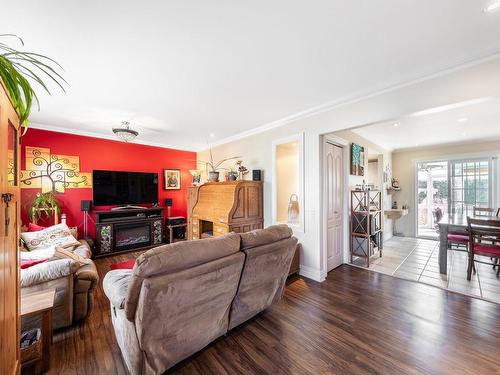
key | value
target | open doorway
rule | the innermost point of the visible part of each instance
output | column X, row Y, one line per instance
column 371, row 172
column 432, row 197
column 429, row 168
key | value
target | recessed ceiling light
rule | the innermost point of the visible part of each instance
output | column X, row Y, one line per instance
column 396, row 124
column 492, row 6
column 416, row 144
column 211, row 135
column 463, row 119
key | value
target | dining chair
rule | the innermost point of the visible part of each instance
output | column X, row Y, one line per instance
column 459, row 240
column 478, row 230
column 496, row 262
column 438, row 215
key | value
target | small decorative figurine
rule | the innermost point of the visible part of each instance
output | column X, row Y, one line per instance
column 241, row 169
column 395, row 183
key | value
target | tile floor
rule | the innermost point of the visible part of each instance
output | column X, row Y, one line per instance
column 417, row 259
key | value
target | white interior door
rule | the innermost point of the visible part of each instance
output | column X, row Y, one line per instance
column 334, row 197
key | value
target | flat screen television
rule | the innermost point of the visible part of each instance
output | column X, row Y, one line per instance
column 124, row 188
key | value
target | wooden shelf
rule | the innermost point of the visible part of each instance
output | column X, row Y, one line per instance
column 364, row 234
column 365, row 224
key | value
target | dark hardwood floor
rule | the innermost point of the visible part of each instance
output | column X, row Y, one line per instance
column 357, row 322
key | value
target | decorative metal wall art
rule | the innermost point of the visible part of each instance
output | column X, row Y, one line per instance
column 52, row 172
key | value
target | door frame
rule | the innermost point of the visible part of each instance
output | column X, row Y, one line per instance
column 342, row 143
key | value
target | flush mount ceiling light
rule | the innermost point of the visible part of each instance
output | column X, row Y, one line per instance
column 492, row 6
column 396, row 124
column 124, row 132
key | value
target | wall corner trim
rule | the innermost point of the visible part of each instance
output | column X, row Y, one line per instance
column 312, row 273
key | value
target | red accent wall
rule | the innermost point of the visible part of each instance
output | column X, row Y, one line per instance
column 96, row 153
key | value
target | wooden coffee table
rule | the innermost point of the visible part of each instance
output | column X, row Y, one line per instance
column 41, row 303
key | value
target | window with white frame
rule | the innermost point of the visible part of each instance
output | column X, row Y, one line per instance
column 470, row 184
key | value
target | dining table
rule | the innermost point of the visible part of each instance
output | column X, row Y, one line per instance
column 454, row 223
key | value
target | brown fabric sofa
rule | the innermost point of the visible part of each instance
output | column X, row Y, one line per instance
column 74, row 287
column 269, row 254
column 180, row 297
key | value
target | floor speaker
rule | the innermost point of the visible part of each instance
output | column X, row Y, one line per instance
column 85, row 206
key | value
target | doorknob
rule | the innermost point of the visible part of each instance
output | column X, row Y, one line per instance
column 7, row 197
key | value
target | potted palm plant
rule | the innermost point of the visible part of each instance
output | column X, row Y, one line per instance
column 18, row 69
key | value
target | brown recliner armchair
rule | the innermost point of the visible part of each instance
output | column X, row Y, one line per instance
column 74, row 287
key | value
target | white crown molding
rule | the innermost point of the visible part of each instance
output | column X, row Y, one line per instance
column 110, row 137
column 440, row 146
column 351, row 99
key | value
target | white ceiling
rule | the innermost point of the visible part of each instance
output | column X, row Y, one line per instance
column 473, row 121
column 180, row 70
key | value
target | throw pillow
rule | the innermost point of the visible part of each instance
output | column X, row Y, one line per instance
column 29, row 263
column 35, row 228
column 56, row 235
column 127, row 265
column 62, row 253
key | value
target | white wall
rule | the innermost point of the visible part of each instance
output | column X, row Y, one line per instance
column 403, row 167
column 373, row 178
column 256, row 150
column 287, row 175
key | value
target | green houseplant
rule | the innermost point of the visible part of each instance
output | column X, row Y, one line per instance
column 44, row 204
column 213, row 167
column 18, row 69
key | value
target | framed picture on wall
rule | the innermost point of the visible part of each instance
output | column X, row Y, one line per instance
column 357, row 160
column 172, row 179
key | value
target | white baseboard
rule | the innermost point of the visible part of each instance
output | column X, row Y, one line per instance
column 312, row 273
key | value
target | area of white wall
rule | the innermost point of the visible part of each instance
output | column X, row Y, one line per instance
column 372, row 178
column 403, row 167
column 287, row 175
column 466, row 83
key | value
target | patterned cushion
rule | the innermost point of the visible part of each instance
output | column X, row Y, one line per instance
column 56, row 235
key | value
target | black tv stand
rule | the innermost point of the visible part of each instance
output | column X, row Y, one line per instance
column 126, row 207
column 129, row 229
